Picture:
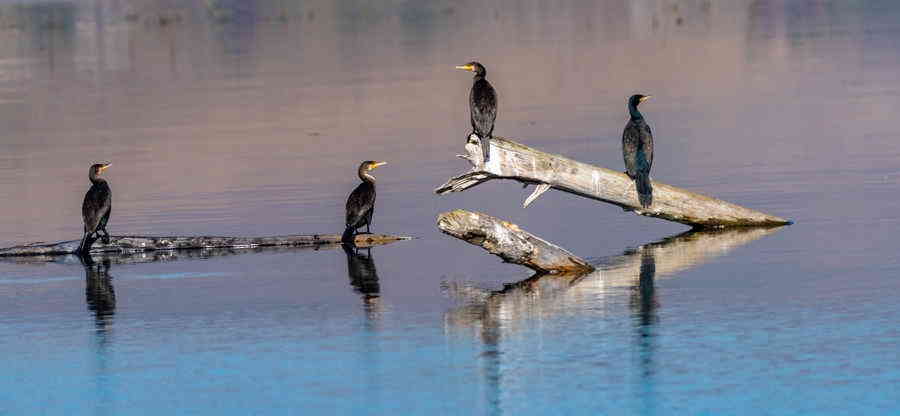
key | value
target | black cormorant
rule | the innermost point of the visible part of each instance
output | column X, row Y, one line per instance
column 482, row 105
column 96, row 208
column 361, row 202
column 637, row 149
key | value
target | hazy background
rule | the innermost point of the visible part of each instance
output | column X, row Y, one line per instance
column 250, row 118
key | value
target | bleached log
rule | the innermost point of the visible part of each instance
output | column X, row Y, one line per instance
column 137, row 244
column 511, row 160
column 510, row 242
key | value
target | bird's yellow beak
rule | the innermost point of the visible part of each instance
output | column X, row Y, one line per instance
column 105, row 166
column 466, row 67
column 377, row 164
column 645, row 98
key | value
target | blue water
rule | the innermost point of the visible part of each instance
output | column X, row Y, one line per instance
column 249, row 118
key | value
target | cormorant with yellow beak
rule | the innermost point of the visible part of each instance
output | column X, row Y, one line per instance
column 482, row 106
column 361, row 202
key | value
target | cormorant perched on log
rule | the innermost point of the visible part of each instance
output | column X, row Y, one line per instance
column 96, row 208
column 637, row 149
column 361, row 202
column 482, row 106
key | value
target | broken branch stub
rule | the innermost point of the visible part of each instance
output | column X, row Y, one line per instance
column 510, row 242
column 511, row 160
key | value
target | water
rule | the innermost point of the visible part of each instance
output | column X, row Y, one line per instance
column 249, row 118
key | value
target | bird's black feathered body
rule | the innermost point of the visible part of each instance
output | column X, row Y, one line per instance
column 360, row 207
column 637, row 150
column 361, row 202
column 482, row 107
column 95, row 209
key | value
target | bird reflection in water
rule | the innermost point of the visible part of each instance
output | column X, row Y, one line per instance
column 99, row 292
column 364, row 280
column 644, row 306
column 100, row 297
column 643, row 296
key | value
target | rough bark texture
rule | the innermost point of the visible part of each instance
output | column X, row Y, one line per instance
column 120, row 257
column 511, row 160
column 138, row 244
column 511, row 243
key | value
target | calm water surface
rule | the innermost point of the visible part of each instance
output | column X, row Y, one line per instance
column 250, row 117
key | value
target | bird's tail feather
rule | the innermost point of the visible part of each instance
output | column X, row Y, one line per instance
column 348, row 236
column 486, row 147
column 644, row 189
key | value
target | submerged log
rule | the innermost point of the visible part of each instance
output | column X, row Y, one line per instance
column 511, row 160
column 139, row 257
column 137, row 244
column 510, row 242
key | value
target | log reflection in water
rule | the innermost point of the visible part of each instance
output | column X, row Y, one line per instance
column 492, row 314
column 546, row 295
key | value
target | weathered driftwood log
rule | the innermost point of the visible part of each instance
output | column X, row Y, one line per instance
column 136, row 244
column 511, row 160
column 636, row 269
column 511, row 243
column 132, row 257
